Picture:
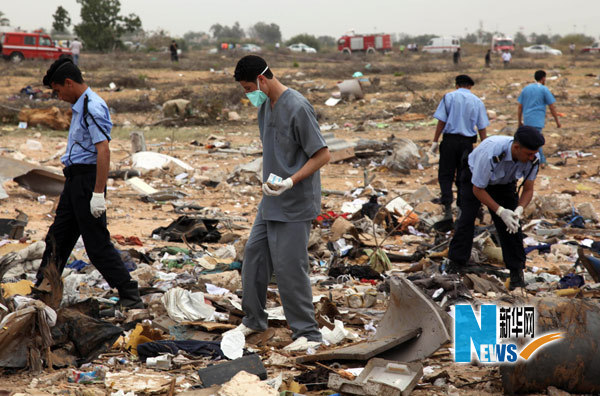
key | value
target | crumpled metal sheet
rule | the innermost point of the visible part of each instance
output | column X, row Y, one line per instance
column 32, row 177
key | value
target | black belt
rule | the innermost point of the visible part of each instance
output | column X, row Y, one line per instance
column 498, row 187
column 79, row 169
column 459, row 136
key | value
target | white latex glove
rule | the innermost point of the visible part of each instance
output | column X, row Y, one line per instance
column 97, row 204
column 519, row 212
column 284, row 185
column 434, row 147
column 509, row 218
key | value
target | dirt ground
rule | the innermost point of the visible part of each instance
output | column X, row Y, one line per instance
column 145, row 81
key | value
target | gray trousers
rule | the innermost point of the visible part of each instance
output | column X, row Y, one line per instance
column 280, row 247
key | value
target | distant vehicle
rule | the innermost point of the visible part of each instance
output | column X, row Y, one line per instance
column 440, row 45
column 250, row 48
column 542, row 49
column 594, row 48
column 501, row 44
column 17, row 46
column 301, row 47
column 368, row 43
column 130, row 45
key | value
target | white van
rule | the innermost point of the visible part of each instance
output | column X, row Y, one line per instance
column 440, row 45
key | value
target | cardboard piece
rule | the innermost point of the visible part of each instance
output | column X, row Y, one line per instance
column 380, row 377
column 340, row 227
column 22, row 287
column 210, row 326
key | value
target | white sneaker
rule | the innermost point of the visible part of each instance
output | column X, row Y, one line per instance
column 246, row 331
column 301, row 344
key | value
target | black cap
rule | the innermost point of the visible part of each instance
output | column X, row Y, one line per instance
column 529, row 137
column 463, row 80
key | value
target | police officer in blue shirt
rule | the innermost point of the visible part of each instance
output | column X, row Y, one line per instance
column 458, row 114
column 82, row 208
column 490, row 178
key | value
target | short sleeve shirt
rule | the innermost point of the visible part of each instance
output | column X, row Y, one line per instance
column 462, row 111
column 491, row 163
column 534, row 98
column 76, row 47
column 82, row 138
column 290, row 135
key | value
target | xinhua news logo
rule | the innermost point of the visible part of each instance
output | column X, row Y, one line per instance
column 491, row 333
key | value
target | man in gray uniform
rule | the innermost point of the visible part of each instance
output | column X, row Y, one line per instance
column 293, row 150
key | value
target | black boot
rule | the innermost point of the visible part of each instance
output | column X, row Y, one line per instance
column 452, row 267
column 448, row 212
column 517, row 279
column 129, row 296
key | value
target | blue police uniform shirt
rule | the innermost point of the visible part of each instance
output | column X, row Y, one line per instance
column 81, row 142
column 462, row 111
column 534, row 98
column 486, row 171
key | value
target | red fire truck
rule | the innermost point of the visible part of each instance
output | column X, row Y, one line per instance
column 501, row 44
column 368, row 43
column 17, row 46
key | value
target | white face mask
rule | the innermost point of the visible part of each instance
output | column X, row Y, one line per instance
column 257, row 97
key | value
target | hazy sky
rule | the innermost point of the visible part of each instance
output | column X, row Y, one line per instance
column 334, row 17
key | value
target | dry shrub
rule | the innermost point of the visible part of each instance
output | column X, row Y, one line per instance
column 228, row 97
column 191, row 60
column 9, row 116
column 341, row 71
column 424, row 106
column 525, row 64
column 183, row 93
column 16, row 71
column 121, row 80
column 138, row 105
column 35, row 68
column 410, row 85
column 212, row 104
column 207, row 105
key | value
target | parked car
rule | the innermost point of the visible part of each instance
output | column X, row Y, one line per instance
column 250, row 48
column 17, row 46
column 594, row 48
column 440, row 45
column 542, row 49
column 137, row 46
column 301, row 47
